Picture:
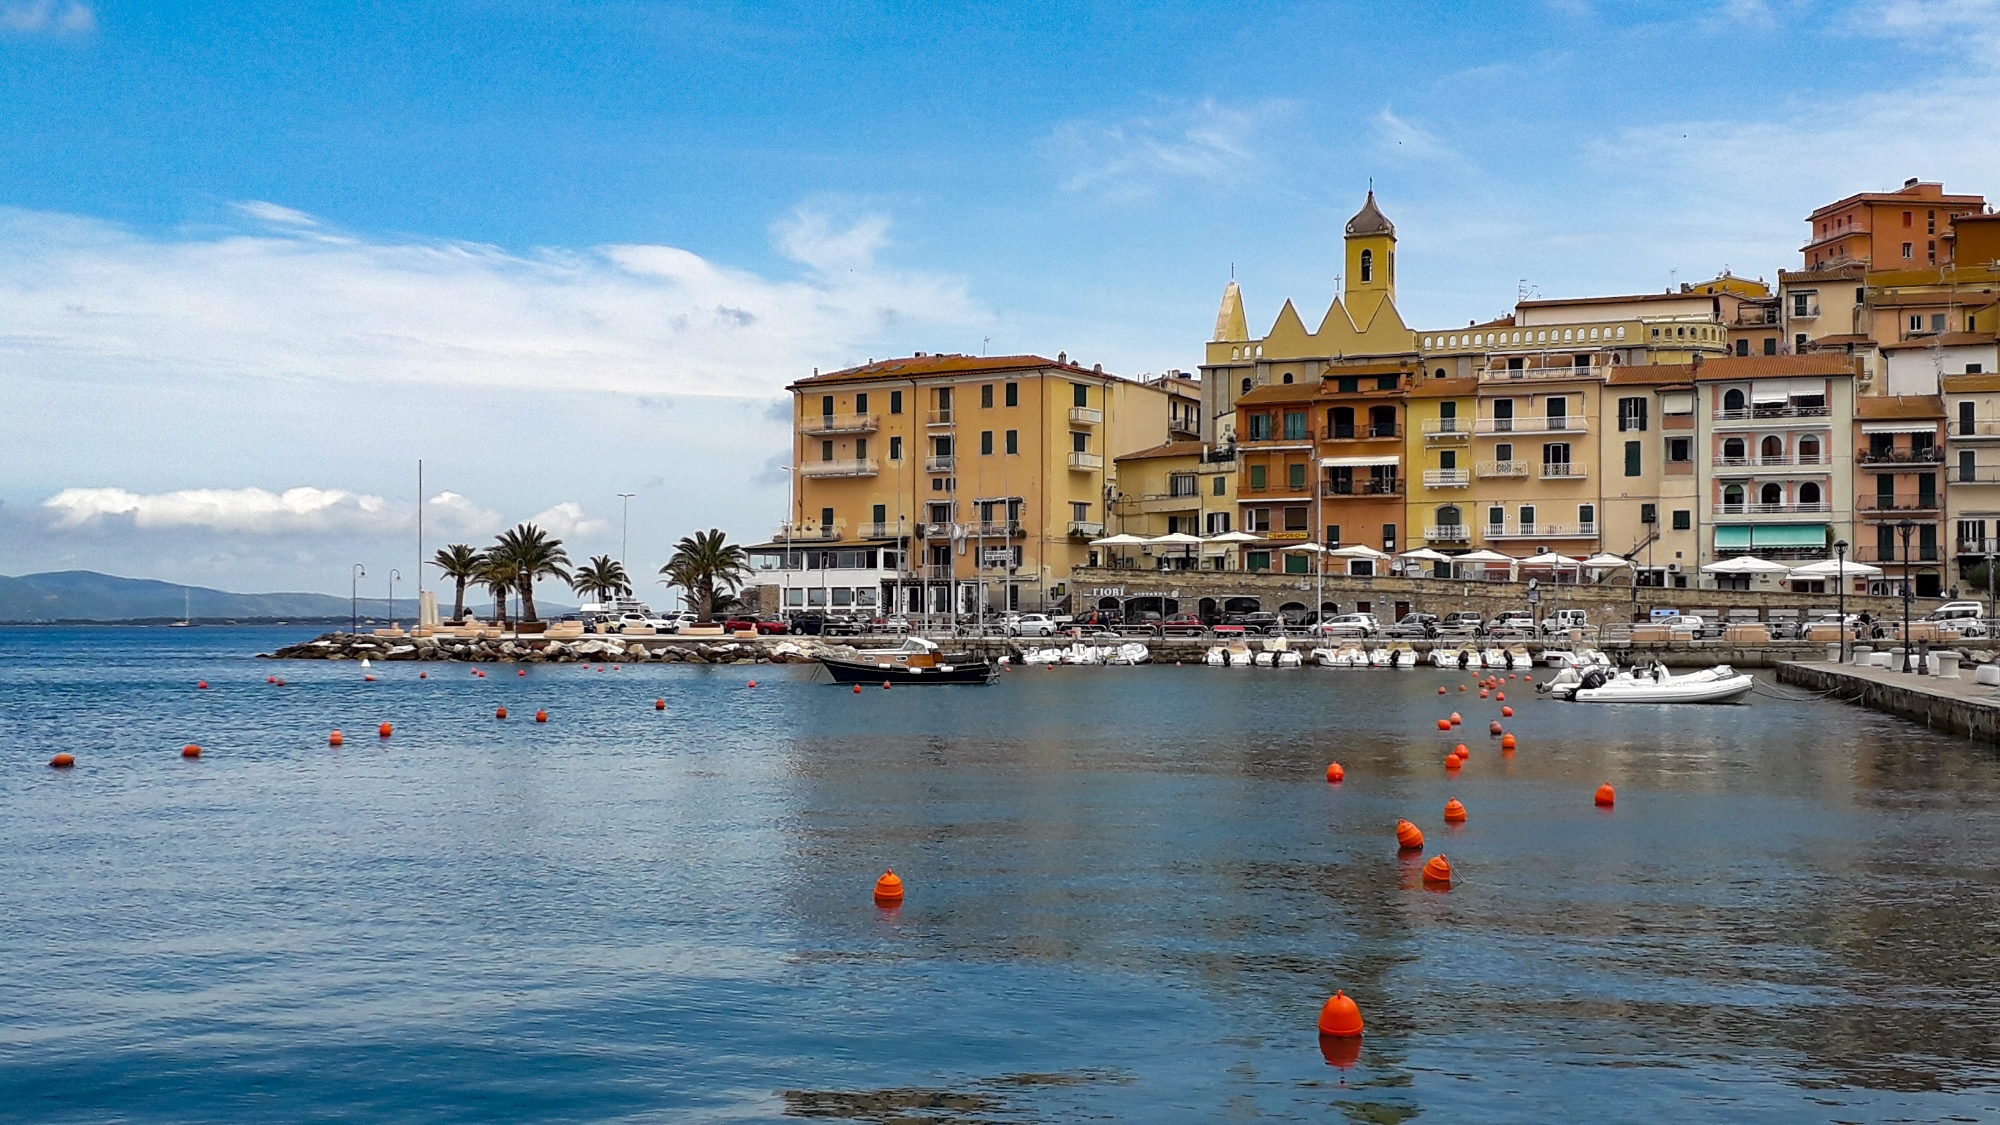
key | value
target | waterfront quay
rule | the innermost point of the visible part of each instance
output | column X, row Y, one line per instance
column 1956, row 704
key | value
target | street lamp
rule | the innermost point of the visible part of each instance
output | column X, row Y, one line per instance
column 1840, row 587
column 624, row 524
column 354, row 598
column 1909, row 594
column 394, row 576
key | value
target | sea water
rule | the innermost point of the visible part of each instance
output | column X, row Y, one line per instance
column 1129, row 892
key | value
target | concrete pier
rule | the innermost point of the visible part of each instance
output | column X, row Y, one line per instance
column 1959, row 706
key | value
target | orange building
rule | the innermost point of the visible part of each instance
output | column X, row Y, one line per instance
column 1888, row 230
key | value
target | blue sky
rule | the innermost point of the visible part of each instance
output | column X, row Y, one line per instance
column 567, row 250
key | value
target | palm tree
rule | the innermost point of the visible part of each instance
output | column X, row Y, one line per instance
column 460, row 563
column 601, row 578
column 532, row 555
column 496, row 573
column 704, row 564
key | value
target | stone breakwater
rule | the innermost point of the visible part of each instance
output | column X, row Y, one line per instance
column 586, row 650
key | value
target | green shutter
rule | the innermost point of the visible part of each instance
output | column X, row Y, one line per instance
column 1632, row 466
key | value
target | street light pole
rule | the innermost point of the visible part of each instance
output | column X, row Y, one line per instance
column 354, row 598
column 1840, row 587
column 394, row 576
column 624, row 524
column 1909, row 595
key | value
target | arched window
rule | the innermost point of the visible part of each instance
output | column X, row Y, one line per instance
column 1772, row 448
column 1440, row 373
column 1732, row 399
column 1732, row 496
column 1733, row 449
column 1367, row 265
column 1449, row 516
column 1808, row 494
column 1246, row 386
column 1288, row 376
column 1809, row 451
column 1771, row 494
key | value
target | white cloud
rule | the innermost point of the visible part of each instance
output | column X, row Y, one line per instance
column 567, row 521
column 47, row 16
column 1962, row 27
column 85, row 299
column 257, row 511
column 1405, row 139
column 1131, row 159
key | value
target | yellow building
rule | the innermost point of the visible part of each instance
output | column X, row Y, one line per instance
column 955, row 484
column 1177, row 487
column 1438, row 442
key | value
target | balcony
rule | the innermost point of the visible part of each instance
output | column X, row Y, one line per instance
column 936, row 572
column 1977, row 474
column 1449, row 533
column 1920, row 553
column 1563, row 470
column 883, row 530
column 1086, row 415
column 1086, row 529
column 1978, row 428
column 1369, row 432
column 1558, row 425
column 1446, row 429
column 840, row 424
column 1879, row 507
column 1748, row 464
column 1188, row 429
column 1501, row 469
column 994, row 529
column 1370, row 486
column 943, row 464
column 1899, row 458
column 1749, row 317
column 1155, row 502
column 1086, row 461
column 851, row 467
column 1726, row 509
column 1541, row 531
column 1764, row 410
column 939, row 418
column 1805, row 312
column 937, row 530
column 1517, row 374
column 796, row 532
column 1447, row 478
column 1676, row 421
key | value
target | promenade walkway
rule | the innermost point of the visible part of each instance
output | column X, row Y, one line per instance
column 1958, row 705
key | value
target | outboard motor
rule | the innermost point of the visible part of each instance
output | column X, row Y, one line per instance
column 1592, row 679
column 1464, row 658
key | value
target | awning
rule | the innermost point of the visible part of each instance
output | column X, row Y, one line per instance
column 1357, row 462
column 1732, row 538
column 1769, row 392
column 1787, row 535
column 1899, row 427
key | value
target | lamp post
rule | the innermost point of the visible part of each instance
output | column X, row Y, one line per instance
column 1909, row 594
column 394, row 576
column 354, row 598
column 624, row 523
column 1840, row 588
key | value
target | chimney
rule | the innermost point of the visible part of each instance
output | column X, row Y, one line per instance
column 1911, row 182
column 1098, row 368
column 1062, row 357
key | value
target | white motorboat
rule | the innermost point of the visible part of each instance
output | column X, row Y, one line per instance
column 1495, row 658
column 1216, row 657
column 1402, row 655
column 1465, row 656
column 1239, row 654
column 1131, row 652
column 1378, row 658
column 1584, row 658
column 1720, row 684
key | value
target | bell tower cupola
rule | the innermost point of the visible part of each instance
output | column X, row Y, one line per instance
column 1371, row 257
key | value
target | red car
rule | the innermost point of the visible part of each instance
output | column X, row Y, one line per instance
column 767, row 628
column 1184, row 625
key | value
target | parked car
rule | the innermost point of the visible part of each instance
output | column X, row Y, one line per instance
column 1421, row 626
column 767, row 628
column 1098, row 620
column 1512, row 621
column 1259, row 622
column 845, row 625
column 1031, row 625
column 1560, row 621
column 1684, row 626
column 1362, row 625
column 1957, row 614
column 808, row 624
column 1464, row 623
column 894, row 623
column 1183, row 625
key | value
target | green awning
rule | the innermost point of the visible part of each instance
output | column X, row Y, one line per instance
column 1788, row 535
column 1732, row 538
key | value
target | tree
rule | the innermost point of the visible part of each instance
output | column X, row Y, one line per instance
column 603, row 577
column 460, row 563
column 497, row 575
column 531, row 554
column 704, row 564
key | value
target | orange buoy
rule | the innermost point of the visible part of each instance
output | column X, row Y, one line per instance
column 368, row 679
column 1456, row 718
column 386, row 730
column 202, row 686
column 1454, row 813
column 1461, row 687
column 661, row 704
column 1444, row 724
column 857, row 689
column 1507, row 712
column 1483, row 693
column 1528, row 678
column 1507, row 741
column 1606, row 796
column 521, row 672
column 1510, row 675
column 1441, row 689
column 1335, row 774
column 1500, row 697
column 281, row 683
column 190, row 751
column 616, row 667
column 62, row 762
column 889, row 888
column 423, row 675
column 500, row 713
column 1437, row 873
column 1461, row 751
column 753, row 683
column 1494, row 728
column 1340, row 1016
column 334, row 739
column 885, row 685
column 1408, row 836
column 541, row 716
column 1453, row 761
column 270, row 679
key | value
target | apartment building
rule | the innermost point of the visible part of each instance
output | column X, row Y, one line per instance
column 1899, row 466
column 1899, row 229
column 1184, row 487
column 1437, row 448
column 955, row 483
column 1649, row 485
column 1972, row 466
column 1775, row 470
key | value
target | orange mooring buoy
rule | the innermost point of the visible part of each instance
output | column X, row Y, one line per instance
column 1340, row 1016
column 1444, row 724
column 1461, row 687
column 386, row 730
column 1494, row 728
column 1461, row 751
column 1507, row 712
column 190, row 751
column 1441, row 689
column 753, row 683
column 203, row 686
column 1335, row 774
column 1606, row 796
column 334, row 739
column 661, row 704
column 1500, row 697
column 857, row 689
column 1507, row 741
column 541, row 716
column 1456, row 718
column 1528, row 678
column 1408, row 836
column 1453, row 761
column 521, row 672
column 368, row 679
column 62, row 761
column 889, row 888
column 1454, row 813
column 500, row 712
column 885, row 685
column 1437, row 873
column 423, row 675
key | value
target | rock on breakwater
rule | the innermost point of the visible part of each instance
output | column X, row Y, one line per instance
column 537, row 650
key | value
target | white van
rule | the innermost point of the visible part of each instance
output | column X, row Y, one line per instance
column 1965, row 617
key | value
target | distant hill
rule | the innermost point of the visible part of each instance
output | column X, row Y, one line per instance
column 85, row 595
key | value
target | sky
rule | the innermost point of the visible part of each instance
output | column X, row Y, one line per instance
column 258, row 260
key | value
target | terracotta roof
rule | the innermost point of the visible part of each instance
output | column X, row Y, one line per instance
column 1650, row 375
column 1279, row 392
column 908, row 367
column 1772, row 367
column 1170, row 449
column 1850, row 271
column 1445, row 388
column 1370, row 220
column 1842, row 339
column 1881, row 407
column 1379, row 367
column 1943, row 340
column 1909, row 195
column 1959, row 384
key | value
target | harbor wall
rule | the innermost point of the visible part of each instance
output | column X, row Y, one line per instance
column 1954, row 706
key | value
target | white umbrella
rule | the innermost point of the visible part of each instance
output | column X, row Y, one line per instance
column 1426, row 554
column 1607, row 562
column 1550, row 558
column 1118, row 541
column 1482, row 556
column 1175, row 539
column 1360, row 551
column 1228, row 537
column 1835, row 568
column 1307, row 548
column 1745, row 564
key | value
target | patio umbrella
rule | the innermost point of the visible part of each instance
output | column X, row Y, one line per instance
column 1118, row 541
column 1175, row 539
column 1230, row 538
column 1425, row 554
column 1482, row 556
column 1607, row 562
column 1360, row 551
column 1745, row 564
column 1835, row 568
column 1307, row 548
column 1550, row 558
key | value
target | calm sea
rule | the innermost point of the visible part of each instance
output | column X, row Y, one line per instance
column 1129, row 892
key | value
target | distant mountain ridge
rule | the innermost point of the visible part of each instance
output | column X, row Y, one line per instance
column 86, row 595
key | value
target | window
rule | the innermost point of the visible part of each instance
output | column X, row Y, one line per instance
column 879, row 515
column 1246, row 386
column 1771, row 496
column 1937, row 322
column 1295, row 476
column 1770, row 345
column 1732, row 497
column 1181, row 484
column 1260, row 520
column 1447, row 417
column 1743, row 347
column 1448, row 515
column 826, row 520
column 1287, row 379
column 1257, row 560
column 1013, row 442
column 1080, row 395
column 895, row 449
column 1799, row 344
column 1930, row 222
column 861, row 404
column 1504, row 451
column 1295, row 425
column 1013, row 394
column 1683, row 519
column 826, row 406
column 1367, row 266
column 1389, row 537
column 861, row 449
column 1931, row 249
column 895, row 402
column 1733, row 400
column 1218, row 522
column 1221, row 486
column 1527, row 517
column 1296, row 519
column 1680, row 450
column 1586, row 517
column 1907, row 218
column 1809, row 450
column 944, row 398
column 1260, row 427
column 1079, row 510
column 1448, row 459
column 1802, row 304
column 986, row 396
column 986, row 443
column 1496, row 516
column 1633, row 459
column 1632, row 414
column 1555, row 453
column 1649, row 514
column 826, row 451
column 1388, row 382
column 1349, row 384
column 1808, row 496
column 1906, row 250
column 1257, row 478
column 1079, row 441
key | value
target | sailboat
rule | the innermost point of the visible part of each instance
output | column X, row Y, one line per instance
column 187, row 618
